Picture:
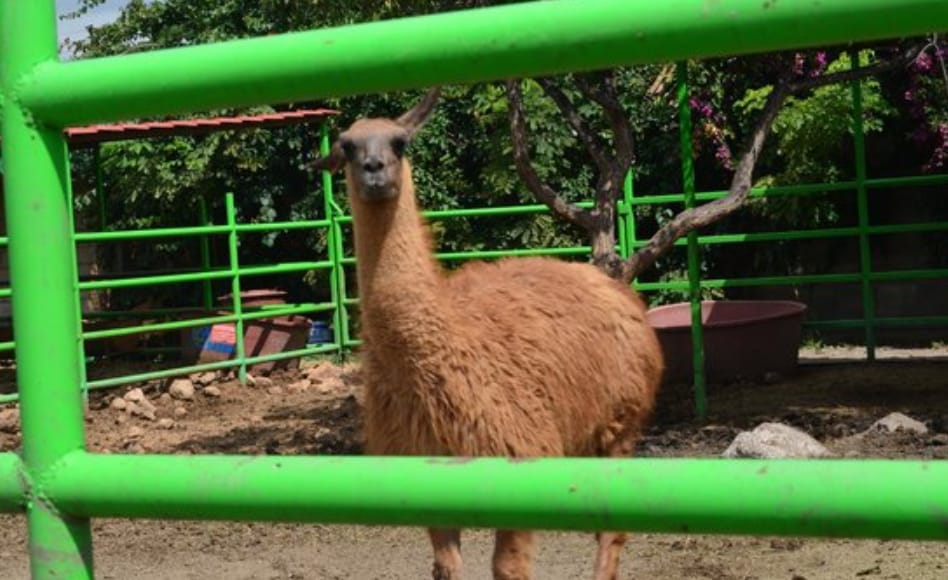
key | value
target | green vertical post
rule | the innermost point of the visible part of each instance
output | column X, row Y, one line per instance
column 336, row 271
column 74, row 247
column 42, row 279
column 862, row 203
column 206, row 288
column 694, row 269
column 235, row 288
column 627, row 218
column 340, row 253
column 100, row 196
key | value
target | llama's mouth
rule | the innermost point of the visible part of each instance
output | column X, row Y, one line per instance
column 378, row 192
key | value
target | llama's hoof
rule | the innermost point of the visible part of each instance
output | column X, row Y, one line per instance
column 441, row 572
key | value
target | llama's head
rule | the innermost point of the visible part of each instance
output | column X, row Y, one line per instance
column 373, row 151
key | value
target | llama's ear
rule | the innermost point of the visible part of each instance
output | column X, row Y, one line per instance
column 332, row 162
column 416, row 117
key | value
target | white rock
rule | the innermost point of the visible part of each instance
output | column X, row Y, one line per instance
column 182, row 389
column 775, row 441
column 212, row 392
column 135, row 395
column 207, row 377
column 898, row 422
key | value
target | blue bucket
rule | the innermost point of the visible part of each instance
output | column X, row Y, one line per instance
column 319, row 333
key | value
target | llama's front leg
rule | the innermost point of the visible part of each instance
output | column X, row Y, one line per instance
column 513, row 552
column 607, row 559
column 447, row 553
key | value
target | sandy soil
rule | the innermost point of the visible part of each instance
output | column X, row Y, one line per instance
column 833, row 402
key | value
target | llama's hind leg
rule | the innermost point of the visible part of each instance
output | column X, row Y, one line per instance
column 513, row 552
column 607, row 559
column 618, row 442
column 447, row 553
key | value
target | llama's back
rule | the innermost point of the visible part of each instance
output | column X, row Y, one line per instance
column 570, row 348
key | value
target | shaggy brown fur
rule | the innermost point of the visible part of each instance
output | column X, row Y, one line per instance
column 519, row 358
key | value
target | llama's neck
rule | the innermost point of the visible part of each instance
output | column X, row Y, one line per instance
column 398, row 276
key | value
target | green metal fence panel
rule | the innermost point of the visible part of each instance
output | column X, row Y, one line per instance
column 42, row 277
column 63, row 486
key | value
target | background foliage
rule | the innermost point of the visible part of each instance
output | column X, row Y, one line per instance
column 463, row 158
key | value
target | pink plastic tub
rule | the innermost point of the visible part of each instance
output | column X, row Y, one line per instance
column 743, row 338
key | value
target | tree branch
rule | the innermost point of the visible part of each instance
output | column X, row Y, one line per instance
column 518, row 133
column 600, row 88
column 699, row 217
column 592, row 142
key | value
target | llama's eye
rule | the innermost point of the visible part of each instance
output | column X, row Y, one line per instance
column 398, row 145
column 348, row 149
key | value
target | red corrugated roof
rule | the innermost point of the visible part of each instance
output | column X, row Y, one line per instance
column 99, row 133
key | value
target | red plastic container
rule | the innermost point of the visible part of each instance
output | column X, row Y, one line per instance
column 219, row 342
column 742, row 338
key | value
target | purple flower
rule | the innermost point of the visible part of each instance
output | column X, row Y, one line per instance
column 923, row 62
column 819, row 64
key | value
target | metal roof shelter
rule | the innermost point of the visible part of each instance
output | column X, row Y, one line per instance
column 92, row 134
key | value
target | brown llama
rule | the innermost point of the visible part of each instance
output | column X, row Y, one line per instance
column 527, row 357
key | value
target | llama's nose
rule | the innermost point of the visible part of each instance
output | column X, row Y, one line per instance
column 373, row 165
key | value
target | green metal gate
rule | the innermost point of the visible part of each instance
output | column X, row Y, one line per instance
column 60, row 486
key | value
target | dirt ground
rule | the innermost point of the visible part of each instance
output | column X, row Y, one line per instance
column 289, row 414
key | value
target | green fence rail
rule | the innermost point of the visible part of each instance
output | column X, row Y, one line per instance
column 60, row 486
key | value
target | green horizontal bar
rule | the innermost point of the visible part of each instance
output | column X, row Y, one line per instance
column 802, row 189
column 210, row 320
column 489, row 254
column 439, row 214
column 12, row 496
column 894, row 276
column 275, row 226
column 520, row 40
column 502, row 210
column 171, row 372
column 310, row 350
column 142, row 313
column 284, row 268
column 911, row 180
column 201, row 276
column 903, row 275
column 195, row 231
column 150, row 376
column 762, row 281
column 806, row 189
column 905, row 228
column 7, row 345
column 5, row 292
column 810, row 234
column 825, row 498
column 154, row 280
column 149, row 233
column 905, row 321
